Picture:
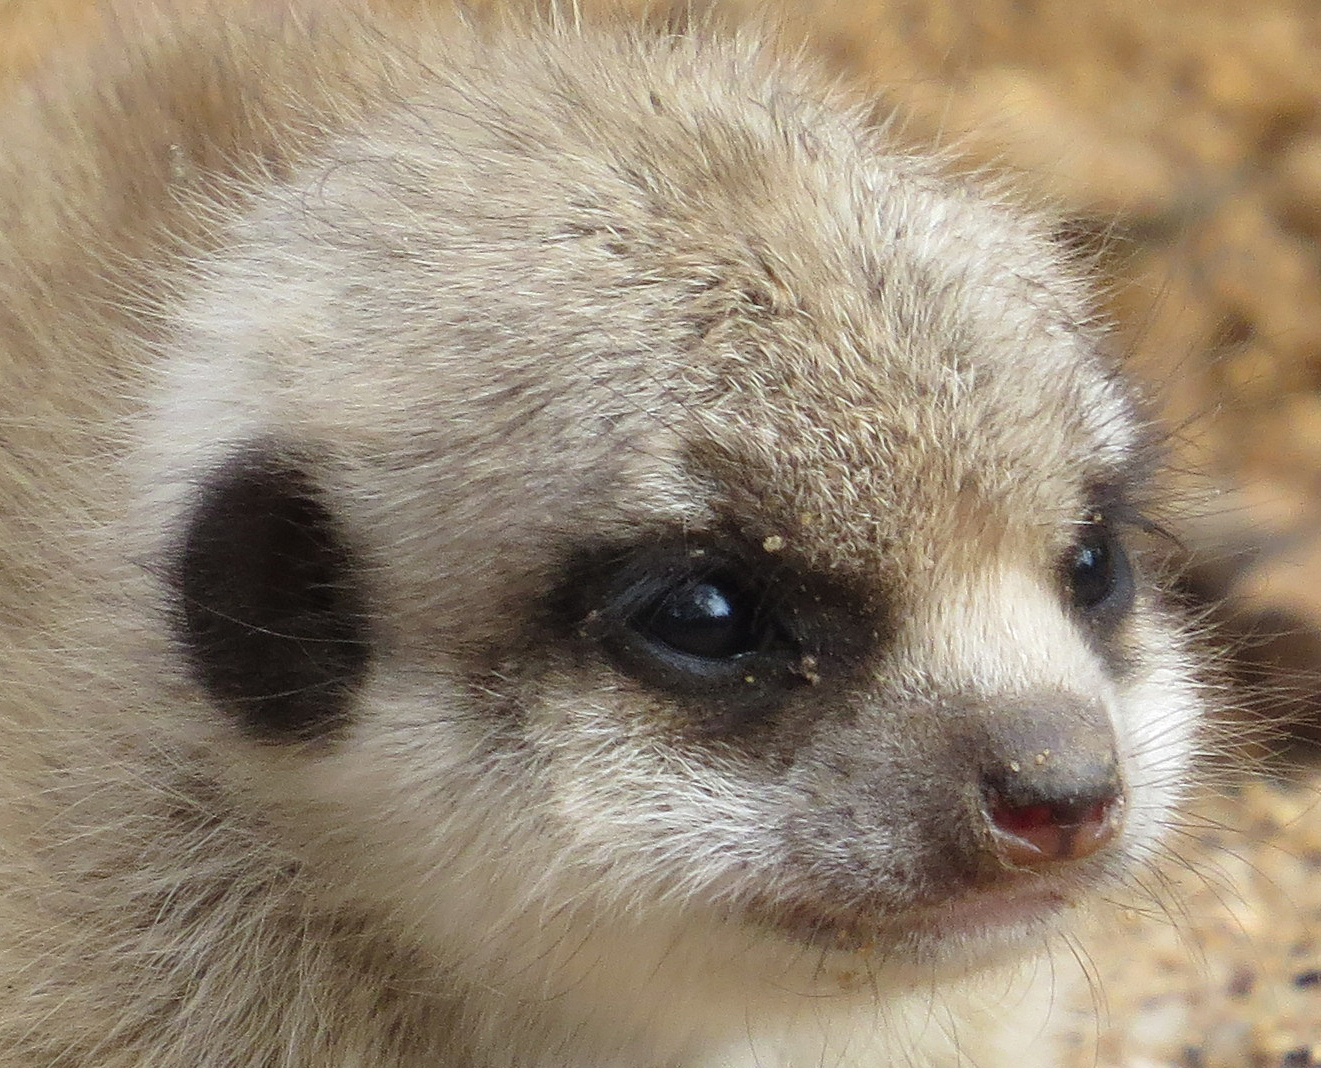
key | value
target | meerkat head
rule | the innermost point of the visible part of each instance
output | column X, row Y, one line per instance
column 622, row 514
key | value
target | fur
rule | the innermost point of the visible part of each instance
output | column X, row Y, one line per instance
column 489, row 313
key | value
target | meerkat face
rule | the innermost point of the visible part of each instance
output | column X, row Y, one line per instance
column 641, row 510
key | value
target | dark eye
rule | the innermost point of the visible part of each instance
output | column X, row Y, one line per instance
column 1098, row 571
column 712, row 618
column 699, row 623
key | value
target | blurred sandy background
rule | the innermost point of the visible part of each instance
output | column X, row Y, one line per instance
column 1180, row 143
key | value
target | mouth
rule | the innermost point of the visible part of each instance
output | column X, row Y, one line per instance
column 988, row 914
column 963, row 922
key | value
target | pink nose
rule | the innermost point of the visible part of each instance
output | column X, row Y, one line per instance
column 1042, row 831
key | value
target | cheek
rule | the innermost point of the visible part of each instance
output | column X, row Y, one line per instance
column 633, row 794
column 1160, row 719
column 426, row 806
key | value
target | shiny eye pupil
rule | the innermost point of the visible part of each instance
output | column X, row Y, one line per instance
column 1093, row 570
column 705, row 618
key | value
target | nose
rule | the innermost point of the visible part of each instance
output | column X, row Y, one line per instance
column 1051, row 790
column 1032, row 825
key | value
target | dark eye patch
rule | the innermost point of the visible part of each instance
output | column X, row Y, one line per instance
column 735, row 634
column 270, row 612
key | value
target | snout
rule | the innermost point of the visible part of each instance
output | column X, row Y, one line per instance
column 1017, row 802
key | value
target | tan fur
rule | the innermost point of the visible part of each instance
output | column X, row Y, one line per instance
column 505, row 291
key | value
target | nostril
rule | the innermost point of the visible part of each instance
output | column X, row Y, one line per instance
column 1036, row 831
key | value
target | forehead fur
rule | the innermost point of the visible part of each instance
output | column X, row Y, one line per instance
column 711, row 285
column 873, row 343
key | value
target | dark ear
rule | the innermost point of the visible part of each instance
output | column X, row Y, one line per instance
column 271, row 611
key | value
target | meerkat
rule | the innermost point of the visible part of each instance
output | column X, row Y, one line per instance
column 541, row 542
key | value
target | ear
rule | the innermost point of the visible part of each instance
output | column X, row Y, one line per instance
column 270, row 610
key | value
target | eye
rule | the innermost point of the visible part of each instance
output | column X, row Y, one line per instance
column 712, row 618
column 699, row 623
column 1098, row 572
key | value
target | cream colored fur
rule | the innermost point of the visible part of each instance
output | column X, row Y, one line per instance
column 505, row 287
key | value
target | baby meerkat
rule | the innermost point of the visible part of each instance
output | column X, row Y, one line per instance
column 542, row 544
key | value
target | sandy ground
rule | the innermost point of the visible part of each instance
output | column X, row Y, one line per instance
column 1180, row 143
